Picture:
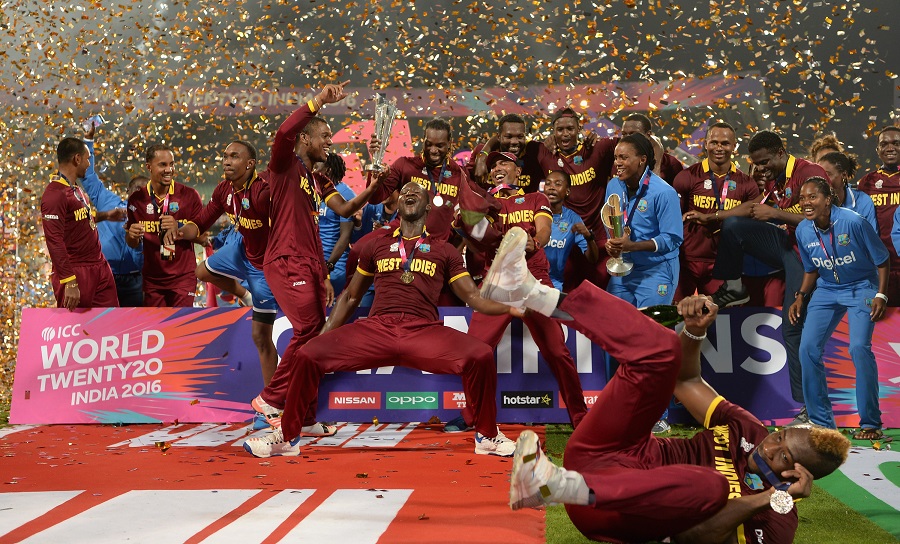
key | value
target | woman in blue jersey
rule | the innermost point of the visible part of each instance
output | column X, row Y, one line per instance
column 652, row 212
column 840, row 169
column 848, row 263
column 567, row 230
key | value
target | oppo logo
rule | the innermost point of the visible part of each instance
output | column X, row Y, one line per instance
column 413, row 400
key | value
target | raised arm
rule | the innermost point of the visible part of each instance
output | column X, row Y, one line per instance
column 694, row 393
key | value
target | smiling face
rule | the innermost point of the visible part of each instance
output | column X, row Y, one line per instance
column 814, row 204
column 317, row 141
column 720, row 143
column 566, row 130
column 629, row 165
column 413, row 202
column 505, row 171
column 769, row 165
column 512, row 137
column 889, row 147
column 781, row 449
column 436, row 147
column 162, row 168
column 556, row 188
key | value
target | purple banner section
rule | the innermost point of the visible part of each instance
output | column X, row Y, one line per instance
column 142, row 365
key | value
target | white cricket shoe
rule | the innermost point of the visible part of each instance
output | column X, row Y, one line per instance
column 536, row 482
column 273, row 445
column 499, row 445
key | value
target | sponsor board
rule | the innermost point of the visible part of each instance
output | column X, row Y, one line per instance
column 454, row 400
column 411, row 400
column 357, row 400
column 526, row 399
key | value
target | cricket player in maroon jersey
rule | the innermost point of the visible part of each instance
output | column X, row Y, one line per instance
column 294, row 264
column 511, row 138
column 883, row 185
column 588, row 164
column 244, row 197
column 81, row 277
column 409, row 267
column 710, row 192
column 169, row 278
column 733, row 482
column 667, row 167
column 767, row 233
column 532, row 213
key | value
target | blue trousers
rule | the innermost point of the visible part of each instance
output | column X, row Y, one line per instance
column 826, row 308
column 774, row 247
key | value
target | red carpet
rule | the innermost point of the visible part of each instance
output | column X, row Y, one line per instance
column 194, row 483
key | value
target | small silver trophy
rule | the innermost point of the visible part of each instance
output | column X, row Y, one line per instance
column 385, row 112
column 614, row 221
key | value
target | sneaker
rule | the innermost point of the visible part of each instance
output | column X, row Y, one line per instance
column 272, row 414
column 509, row 281
column 457, row 425
column 802, row 418
column 272, row 445
column 662, row 426
column 498, row 445
column 531, row 474
column 260, row 423
column 724, row 297
column 318, row 429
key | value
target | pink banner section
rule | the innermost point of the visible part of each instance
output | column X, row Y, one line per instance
column 142, row 365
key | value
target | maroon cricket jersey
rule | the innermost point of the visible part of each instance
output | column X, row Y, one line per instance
column 589, row 171
column 704, row 192
column 731, row 436
column 884, row 188
column 434, row 264
column 669, row 168
column 248, row 209
column 443, row 180
column 181, row 202
column 69, row 228
column 295, row 195
column 519, row 210
column 531, row 161
column 786, row 195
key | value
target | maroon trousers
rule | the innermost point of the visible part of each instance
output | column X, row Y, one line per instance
column 299, row 287
column 551, row 341
column 395, row 339
column 95, row 283
column 638, row 496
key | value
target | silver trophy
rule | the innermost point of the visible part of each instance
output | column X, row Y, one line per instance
column 614, row 220
column 385, row 112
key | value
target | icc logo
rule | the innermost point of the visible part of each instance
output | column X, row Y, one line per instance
column 48, row 334
column 68, row 331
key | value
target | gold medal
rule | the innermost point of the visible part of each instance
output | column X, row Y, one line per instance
column 407, row 277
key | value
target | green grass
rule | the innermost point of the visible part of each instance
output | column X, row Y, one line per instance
column 823, row 518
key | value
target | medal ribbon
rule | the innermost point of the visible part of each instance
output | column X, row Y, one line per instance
column 406, row 262
column 833, row 251
column 720, row 199
column 637, row 198
column 497, row 188
column 434, row 184
column 768, row 473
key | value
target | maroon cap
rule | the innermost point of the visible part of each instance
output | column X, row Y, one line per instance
column 496, row 156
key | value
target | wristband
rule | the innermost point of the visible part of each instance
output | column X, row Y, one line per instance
column 590, row 236
column 330, row 267
column 804, row 295
column 882, row 296
column 701, row 338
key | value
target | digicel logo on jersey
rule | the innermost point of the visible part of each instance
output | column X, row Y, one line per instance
column 354, row 401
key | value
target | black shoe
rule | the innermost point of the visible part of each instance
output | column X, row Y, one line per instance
column 725, row 297
column 802, row 418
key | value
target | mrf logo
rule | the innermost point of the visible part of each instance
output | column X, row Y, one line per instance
column 412, row 400
column 527, row 399
column 354, row 401
column 454, row 400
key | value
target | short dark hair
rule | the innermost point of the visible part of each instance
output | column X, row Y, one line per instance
column 721, row 124
column 134, row 182
column 440, row 124
column 68, row 148
column 889, row 128
column 565, row 112
column 845, row 163
column 645, row 121
column 765, row 139
column 565, row 176
column 154, row 149
column 314, row 122
column 335, row 167
column 251, row 150
column 511, row 118
column 642, row 145
column 822, row 185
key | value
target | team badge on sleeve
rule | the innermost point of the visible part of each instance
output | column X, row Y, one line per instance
column 173, row 207
column 520, row 200
column 662, row 289
column 425, row 248
column 844, row 239
column 642, row 205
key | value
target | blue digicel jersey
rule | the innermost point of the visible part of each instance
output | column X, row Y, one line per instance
column 562, row 240
column 654, row 213
column 848, row 252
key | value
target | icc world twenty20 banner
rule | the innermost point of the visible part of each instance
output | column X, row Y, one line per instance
column 143, row 365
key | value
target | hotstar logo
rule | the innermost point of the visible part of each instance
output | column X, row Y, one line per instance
column 527, row 399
